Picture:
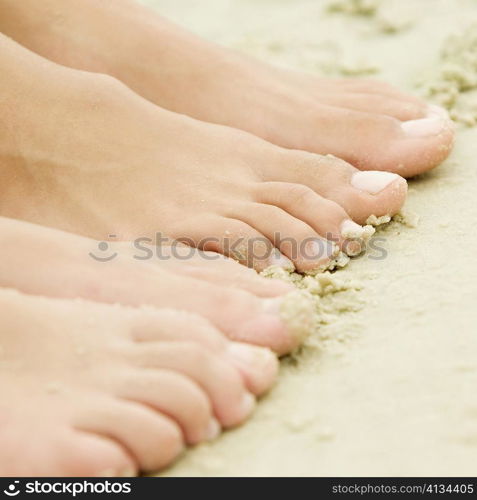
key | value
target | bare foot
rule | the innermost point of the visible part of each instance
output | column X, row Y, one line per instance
column 243, row 306
column 368, row 123
column 94, row 390
column 85, row 154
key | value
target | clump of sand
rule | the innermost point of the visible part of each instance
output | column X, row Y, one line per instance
column 454, row 85
column 328, row 294
column 354, row 7
column 324, row 293
column 330, row 57
column 385, row 16
column 325, row 58
column 378, row 221
column 341, row 258
column 297, row 311
column 354, row 68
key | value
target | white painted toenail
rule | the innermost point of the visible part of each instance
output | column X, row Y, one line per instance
column 213, row 430
column 373, row 181
column 248, row 404
column 425, row 127
column 279, row 260
column 351, row 230
column 433, row 110
column 251, row 356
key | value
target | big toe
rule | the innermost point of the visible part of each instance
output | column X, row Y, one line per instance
column 424, row 144
column 374, row 141
column 360, row 194
column 372, row 193
column 407, row 148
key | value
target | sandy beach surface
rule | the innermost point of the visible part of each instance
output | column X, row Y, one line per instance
column 388, row 383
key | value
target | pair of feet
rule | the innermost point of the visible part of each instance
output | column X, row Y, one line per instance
column 86, row 154
column 150, row 357
column 83, row 153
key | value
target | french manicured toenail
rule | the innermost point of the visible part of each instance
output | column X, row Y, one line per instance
column 213, row 430
column 279, row 260
column 351, row 230
column 425, row 127
column 248, row 404
column 254, row 357
column 373, row 181
column 433, row 110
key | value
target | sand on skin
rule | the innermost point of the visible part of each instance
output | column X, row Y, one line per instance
column 388, row 384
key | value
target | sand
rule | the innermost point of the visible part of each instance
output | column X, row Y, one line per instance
column 454, row 83
column 387, row 383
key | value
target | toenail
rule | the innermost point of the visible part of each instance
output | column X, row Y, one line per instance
column 248, row 404
column 279, row 260
column 320, row 250
column 424, row 127
column 373, row 181
column 213, row 430
column 351, row 230
column 433, row 110
column 254, row 357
